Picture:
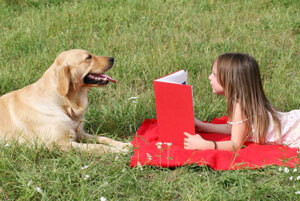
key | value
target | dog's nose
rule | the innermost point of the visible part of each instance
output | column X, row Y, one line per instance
column 111, row 60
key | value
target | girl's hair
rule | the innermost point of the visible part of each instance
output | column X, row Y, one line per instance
column 239, row 75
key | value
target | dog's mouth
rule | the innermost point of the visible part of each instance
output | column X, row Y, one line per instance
column 99, row 79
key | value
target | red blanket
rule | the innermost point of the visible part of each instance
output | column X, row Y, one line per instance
column 149, row 151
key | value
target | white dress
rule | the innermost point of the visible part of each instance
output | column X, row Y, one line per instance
column 290, row 130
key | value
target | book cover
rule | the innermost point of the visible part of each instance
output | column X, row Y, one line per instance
column 174, row 107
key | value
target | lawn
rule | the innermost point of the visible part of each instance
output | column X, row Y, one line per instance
column 148, row 39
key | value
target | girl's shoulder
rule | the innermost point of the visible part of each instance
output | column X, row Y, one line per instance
column 291, row 115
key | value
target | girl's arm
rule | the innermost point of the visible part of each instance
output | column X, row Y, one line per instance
column 212, row 128
column 238, row 135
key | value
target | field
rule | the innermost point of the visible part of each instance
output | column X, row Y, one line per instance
column 148, row 39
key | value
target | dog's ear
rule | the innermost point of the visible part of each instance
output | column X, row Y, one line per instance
column 63, row 80
column 75, row 79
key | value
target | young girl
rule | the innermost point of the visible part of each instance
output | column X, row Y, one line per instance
column 251, row 116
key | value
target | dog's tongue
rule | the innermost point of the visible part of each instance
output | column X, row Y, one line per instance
column 106, row 77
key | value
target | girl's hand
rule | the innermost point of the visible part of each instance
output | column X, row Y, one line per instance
column 193, row 142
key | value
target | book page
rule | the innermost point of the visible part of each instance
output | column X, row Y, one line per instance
column 179, row 77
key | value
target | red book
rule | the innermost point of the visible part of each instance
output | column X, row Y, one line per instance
column 174, row 107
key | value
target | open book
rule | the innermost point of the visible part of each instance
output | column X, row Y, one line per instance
column 174, row 107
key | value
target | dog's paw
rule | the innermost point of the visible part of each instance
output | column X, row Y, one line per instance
column 126, row 147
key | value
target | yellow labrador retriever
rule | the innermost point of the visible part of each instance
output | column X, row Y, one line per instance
column 50, row 111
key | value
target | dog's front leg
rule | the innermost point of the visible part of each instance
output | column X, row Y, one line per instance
column 125, row 147
column 83, row 136
column 101, row 148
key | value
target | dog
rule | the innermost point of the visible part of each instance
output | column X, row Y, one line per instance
column 51, row 110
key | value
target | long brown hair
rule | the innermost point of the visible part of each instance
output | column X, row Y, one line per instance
column 239, row 75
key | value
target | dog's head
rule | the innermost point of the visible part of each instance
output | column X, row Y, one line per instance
column 79, row 68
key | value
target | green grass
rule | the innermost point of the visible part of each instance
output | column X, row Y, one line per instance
column 148, row 39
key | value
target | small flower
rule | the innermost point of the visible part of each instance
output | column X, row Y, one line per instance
column 84, row 167
column 139, row 166
column 7, row 145
column 280, row 169
column 297, row 192
column 116, row 158
column 29, row 183
column 169, row 144
column 295, row 170
column 103, row 199
column 286, row 170
column 132, row 98
column 86, row 177
column 124, row 170
column 38, row 189
column 149, row 157
column 159, row 143
column 298, row 178
column 291, row 178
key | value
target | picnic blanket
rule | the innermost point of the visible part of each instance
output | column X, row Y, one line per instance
column 149, row 150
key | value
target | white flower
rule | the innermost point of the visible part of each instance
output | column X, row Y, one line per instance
column 280, row 169
column 286, row 170
column 124, row 170
column 169, row 144
column 132, row 98
column 295, row 170
column 103, row 199
column 149, row 157
column 29, row 183
column 298, row 178
column 7, row 145
column 116, row 158
column 139, row 166
column 84, row 167
column 297, row 192
column 86, row 177
column 291, row 178
column 159, row 143
column 38, row 189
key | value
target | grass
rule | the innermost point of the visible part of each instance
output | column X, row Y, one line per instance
column 148, row 39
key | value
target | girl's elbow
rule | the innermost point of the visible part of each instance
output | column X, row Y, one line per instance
column 236, row 146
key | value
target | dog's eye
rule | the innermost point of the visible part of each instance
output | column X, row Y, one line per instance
column 89, row 57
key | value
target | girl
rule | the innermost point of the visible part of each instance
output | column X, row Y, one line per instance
column 252, row 117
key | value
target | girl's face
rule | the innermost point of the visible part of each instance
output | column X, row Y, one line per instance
column 216, row 87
